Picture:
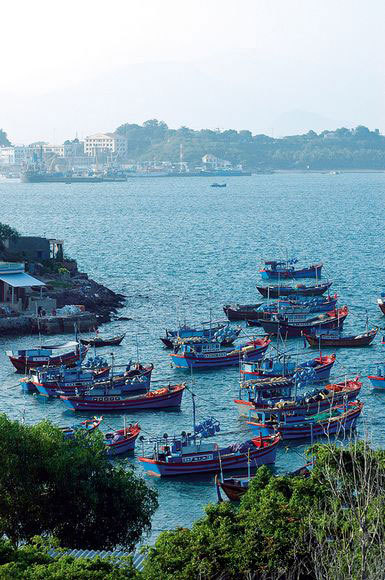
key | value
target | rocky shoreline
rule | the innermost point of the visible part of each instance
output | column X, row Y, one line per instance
column 95, row 297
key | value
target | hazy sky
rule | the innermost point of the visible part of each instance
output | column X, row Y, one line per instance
column 275, row 66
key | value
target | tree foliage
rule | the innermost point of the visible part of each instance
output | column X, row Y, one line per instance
column 7, row 232
column 4, row 141
column 329, row 525
column 33, row 562
column 68, row 488
column 343, row 148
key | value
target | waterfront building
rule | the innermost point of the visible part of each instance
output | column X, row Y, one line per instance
column 105, row 143
column 34, row 248
column 21, row 292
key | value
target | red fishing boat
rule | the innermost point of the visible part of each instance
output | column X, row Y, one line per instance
column 68, row 354
column 121, row 441
column 167, row 397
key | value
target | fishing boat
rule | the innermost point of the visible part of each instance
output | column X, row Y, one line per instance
column 336, row 420
column 207, row 330
column 294, row 329
column 63, row 381
column 381, row 303
column 335, row 338
column 236, row 487
column 166, row 397
column 84, row 427
column 183, row 456
column 98, row 340
column 298, row 290
column 284, row 365
column 279, row 270
column 121, row 441
column 240, row 311
column 292, row 310
column 207, row 356
column 67, row 354
column 277, row 396
column 224, row 337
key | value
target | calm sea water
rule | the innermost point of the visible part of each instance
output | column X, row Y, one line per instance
column 177, row 248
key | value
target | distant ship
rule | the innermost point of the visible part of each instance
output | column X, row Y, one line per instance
column 203, row 173
column 33, row 176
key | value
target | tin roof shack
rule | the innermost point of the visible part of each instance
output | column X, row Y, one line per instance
column 20, row 292
column 34, row 248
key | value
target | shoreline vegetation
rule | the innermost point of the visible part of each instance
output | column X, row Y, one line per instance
column 342, row 149
column 326, row 524
column 154, row 143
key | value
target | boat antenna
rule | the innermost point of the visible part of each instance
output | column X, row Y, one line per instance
column 137, row 347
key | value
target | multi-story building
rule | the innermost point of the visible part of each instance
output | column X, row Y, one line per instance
column 110, row 143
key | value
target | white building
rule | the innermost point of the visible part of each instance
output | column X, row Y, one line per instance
column 106, row 143
column 15, row 155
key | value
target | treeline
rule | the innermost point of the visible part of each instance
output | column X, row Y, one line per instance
column 357, row 148
column 4, row 142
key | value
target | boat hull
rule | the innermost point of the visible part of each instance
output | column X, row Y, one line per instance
column 188, row 360
column 277, row 291
column 111, row 404
column 340, row 342
column 287, row 330
column 322, row 372
column 247, row 408
column 24, row 364
column 310, row 272
column 377, row 382
column 324, row 428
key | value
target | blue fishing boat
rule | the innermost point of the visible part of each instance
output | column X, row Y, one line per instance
column 337, row 420
column 210, row 355
column 71, row 381
column 284, row 365
column 298, row 290
column 279, row 270
column 207, row 331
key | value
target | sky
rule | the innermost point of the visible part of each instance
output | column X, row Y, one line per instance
column 271, row 66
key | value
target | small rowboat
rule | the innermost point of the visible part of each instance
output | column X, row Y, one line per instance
column 85, row 426
column 337, row 339
column 97, row 341
column 121, row 441
column 185, row 457
column 286, row 329
column 279, row 270
column 298, row 290
column 68, row 354
column 167, row 397
column 236, row 487
column 334, row 421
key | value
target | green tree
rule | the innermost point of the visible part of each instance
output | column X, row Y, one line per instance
column 328, row 525
column 4, row 141
column 68, row 488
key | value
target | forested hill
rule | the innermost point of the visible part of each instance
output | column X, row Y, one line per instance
column 357, row 148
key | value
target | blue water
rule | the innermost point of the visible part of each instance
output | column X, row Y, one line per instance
column 177, row 248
